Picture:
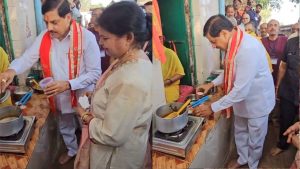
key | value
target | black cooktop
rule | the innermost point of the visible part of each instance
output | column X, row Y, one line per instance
column 177, row 136
column 16, row 136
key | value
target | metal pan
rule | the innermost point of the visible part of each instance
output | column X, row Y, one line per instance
column 4, row 96
column 170, row 125
column 11, row 121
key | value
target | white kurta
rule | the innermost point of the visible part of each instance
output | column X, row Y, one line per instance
column 90, row 70
column 122, row 108
column 252, row 98
column 253, row 93
column 90, row 66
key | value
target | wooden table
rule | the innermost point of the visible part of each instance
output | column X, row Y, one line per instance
column 38, row 107
column 166, row 161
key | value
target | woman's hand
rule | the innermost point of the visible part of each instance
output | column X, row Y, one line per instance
column 79, row 110
column 86, row 117
column 168, row 82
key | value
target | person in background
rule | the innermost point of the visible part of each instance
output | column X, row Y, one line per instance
column 233, row 21
column 58, row 48
column 257, row 11
column 251, row 3
column 4, row 63
column 147, row 46
column 75, row 6
column 295, row 30
column 229, row 11
column 172, row 71
column 287, row 90
column 250, row 29
column 105, row 59
column 96, row 12
column 237, row 4
column 148, row 7
column 292, row 133
column 230, row 14
column 252, row 15
column 247, row 83
column 239, row 10
column 274, row 45
column 263, row 30
column 121, row 106
column 245, row 20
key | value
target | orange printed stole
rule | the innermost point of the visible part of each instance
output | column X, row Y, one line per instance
column 229, row 72
column 74, row 56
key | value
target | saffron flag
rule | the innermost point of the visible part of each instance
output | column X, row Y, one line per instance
column 158, row 49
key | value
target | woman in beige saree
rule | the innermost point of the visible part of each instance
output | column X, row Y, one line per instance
column 119, row 121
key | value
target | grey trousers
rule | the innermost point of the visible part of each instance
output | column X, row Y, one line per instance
column 67, row 127
column 249, row 138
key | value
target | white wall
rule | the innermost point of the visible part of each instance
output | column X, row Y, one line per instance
column 21, row 15
column 207, row 58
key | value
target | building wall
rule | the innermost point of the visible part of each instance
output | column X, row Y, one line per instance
column 207, row 58
column 23, row 27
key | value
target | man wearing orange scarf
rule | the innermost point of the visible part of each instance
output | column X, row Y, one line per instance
column 248, row 87
column 69, row 54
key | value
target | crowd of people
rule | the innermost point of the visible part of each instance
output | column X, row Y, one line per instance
column 109, row 62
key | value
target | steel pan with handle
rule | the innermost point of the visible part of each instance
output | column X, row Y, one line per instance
column 11, row 121
column 170, row 125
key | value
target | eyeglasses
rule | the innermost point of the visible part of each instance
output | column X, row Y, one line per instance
column 245, row 18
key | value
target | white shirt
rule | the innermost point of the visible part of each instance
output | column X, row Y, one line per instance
column 253, row 93
column 90, row 65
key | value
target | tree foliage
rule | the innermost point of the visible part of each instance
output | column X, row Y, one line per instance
column 274, row 4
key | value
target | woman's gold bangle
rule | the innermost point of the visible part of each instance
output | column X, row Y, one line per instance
column 84, row 115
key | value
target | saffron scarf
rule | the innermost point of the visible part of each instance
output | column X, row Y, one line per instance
column 229, row 72
column 74, row 56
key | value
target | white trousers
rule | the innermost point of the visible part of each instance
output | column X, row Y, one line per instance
column 249, row 138
column 67, row 128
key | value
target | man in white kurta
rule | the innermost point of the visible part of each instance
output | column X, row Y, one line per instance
column 90, row 70
column 252, row 99
column 252, row 95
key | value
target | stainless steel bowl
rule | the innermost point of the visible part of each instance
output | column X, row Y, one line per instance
column 4, row 96
column 170, row 125
column 11, row 121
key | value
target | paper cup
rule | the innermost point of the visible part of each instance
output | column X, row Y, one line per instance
column 43, row 83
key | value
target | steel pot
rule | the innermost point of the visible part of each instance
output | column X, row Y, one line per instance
column 11, row 121
column 4, row 96
column 170, row 125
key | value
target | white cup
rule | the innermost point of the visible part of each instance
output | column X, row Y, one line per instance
column 43, row 83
